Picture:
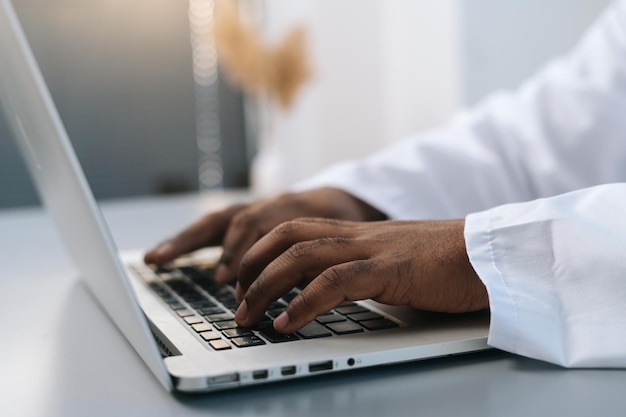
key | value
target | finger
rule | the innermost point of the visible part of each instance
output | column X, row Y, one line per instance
column 349, row 281
column 247, row 227
column 244, row 230
column 285, row 236
column 302, row 261
column 207, row 231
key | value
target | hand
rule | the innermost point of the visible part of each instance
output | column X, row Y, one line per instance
column 422, row 264
column 238, row 227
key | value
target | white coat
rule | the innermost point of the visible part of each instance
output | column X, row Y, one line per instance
column 540, row 176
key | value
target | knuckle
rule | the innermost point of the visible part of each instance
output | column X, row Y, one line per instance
column 348, row 279
column 299, row 251
column 286, row 228
column 333, row 279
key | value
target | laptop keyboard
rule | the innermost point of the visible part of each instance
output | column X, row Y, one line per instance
column 209, row 311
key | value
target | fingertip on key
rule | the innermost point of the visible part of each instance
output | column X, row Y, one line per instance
column 281, row 322
column 242, row 312
column 161, row 253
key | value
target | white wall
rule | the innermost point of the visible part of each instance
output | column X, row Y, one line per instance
column 503, row 42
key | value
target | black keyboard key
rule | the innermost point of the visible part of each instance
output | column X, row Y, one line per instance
column 169, row 298
column 160, row 269
column 347, row 303
column 237, row 332
column 176, row 305
column 197, row 274
column 224, row 294
column 208, row 286
column 275, row 312
column 232, row 307
column 289, row 296
column 211, row 311
column 219, row 317
column 351, row 309
column 345, row 327
column 219, row 344
column 378, row 324
column 203, row 304
column 314, row 330
column 157, row 288
column 276, row 304
column 223, row 325
column 192, row 296
column 330, row 318
column 247, row 341
column 274, row 337
column 177, row 284
column 228, row 301
column 263, row 323
column 368, row 315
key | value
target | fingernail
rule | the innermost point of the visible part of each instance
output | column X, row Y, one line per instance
column 242, row 312
column 282, row 321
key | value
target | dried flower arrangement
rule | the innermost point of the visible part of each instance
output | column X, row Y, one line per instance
column 277, row 71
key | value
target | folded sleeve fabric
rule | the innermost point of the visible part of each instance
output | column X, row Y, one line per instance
column 526, row 170
column 556, row 273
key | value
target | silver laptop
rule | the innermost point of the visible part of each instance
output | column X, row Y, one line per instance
column 174, row 316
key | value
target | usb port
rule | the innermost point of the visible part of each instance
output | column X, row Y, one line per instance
column 260, row 374
column 288, row 370
column 320, row 366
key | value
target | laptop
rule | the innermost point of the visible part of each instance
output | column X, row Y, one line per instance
column 175, row 317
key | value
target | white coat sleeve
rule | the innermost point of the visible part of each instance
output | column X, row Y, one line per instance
column 555, row 270
column 554, row 266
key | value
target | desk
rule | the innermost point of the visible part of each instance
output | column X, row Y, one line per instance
column 61, row 356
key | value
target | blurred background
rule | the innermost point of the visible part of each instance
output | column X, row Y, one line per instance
column 149, row 111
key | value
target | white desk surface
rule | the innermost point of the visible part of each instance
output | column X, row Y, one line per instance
column 61, row 356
